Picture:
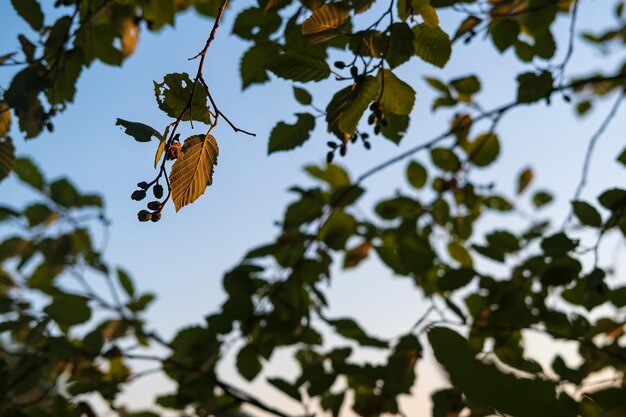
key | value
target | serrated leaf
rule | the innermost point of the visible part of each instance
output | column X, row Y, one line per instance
column 30, row 10
column 192, row 172
column 139, row 131
column 348, row 105
column 432, row 45
column 299, row 67
column 303, row 96
column 173, row 94
column 400, row 43
column 524, row 179
column 587, row 214
column 409, row 7
column 325, row 23
column 254, row 61
column 5, row 119
column 533, row 87
column 398, row 97
column 285, row 137
column 7, row 157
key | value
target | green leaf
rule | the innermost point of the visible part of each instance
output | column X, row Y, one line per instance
column 248, row 363
column 504, row 33
column 126, row 282
column 299, row 67
column 524, row 179
column 348, row 105
column 192, row 172
column 139, row 131
column 557, row 245
column 68, row 69
column 621, row 158
column 467, row 85
column 39, row 214
column 416, row 174
column 445, row 159
column 398, row 97
column 613, row 199
column 286, row 387
column 333, row 175
column 401, row 47
column 533, row 87
column 460, row 254
column 499, row 203
column 303, row 96
column 484, row 150
column 28, row 172
column 64, row 193
column 453, row 279
column 254, row 61
column 325, row 23
column 587, row 214
column 7, row 157
column 496, row 389
column 407, row 7
column 5, row 119
column 30, row 10
column 432, row 45
column 255, row 23
column 173, row 94
column 447, row 402
column 67, row 309
column 396, row 127
column 159, row 13
column 349, row 329
column 541, row 198
column 285, row 137
column 338, row 229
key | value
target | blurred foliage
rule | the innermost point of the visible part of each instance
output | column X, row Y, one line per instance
column 65, row 341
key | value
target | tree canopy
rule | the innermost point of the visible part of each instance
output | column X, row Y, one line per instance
column 63, row 343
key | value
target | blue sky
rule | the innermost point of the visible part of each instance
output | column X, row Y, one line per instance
column 182, row 258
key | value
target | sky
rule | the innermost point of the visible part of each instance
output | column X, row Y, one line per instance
column 182, row 258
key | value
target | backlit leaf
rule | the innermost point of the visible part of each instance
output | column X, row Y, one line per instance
column 7, row 157
column 285, row 137
column 30, row 10
column 299, row 67
column 5, row 119
column 587, row 214
column 432, row 45
column 173, row 94
column 325, row 23
column 398, row 97
column 139, row 131
column 254, row 61
column 193, row 170
column 348, row 105
column 524, row 179
column 533, row 87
